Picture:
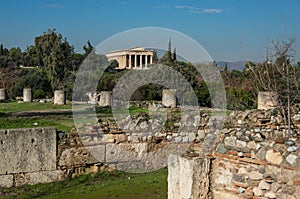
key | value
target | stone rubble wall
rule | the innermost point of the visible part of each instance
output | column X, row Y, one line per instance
column 253, row 158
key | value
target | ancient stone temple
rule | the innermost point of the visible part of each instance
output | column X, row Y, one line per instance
column 132, row 58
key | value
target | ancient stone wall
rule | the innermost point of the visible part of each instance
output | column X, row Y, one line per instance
column 253, row 158
column 28, row 156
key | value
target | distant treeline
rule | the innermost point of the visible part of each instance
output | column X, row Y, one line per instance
column 56, row 63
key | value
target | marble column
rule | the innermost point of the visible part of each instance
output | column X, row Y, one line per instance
column 141, row 61
column 129, row 62
column 146, row 61
column 135, row 61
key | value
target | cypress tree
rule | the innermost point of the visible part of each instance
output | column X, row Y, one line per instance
column 174, row 55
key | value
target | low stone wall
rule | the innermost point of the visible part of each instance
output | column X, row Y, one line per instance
column 138, row 157
column 244, row 164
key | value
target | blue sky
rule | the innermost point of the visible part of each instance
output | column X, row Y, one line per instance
column 229, row 30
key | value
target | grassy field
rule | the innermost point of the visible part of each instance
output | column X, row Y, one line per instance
column 120, row 185
column 36, row 114
column 12, row 107
column 11, row 117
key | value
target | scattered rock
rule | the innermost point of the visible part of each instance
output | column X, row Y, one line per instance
column 291, row 159
column 255, row 175
column 273, row 157
column 264, row 186
column 257, row 192
column 270, row 194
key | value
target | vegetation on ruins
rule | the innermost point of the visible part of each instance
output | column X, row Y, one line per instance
column 279, row 76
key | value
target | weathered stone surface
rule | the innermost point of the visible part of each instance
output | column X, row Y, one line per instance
column 296, row 117
column 255, row 175
column 230, row 142
column 261, row 153
column 124, row 152
column 39, row 177
column 188, row 178
column 2, row 94
column 6, row 181
column 291, row 159
column 267, row 100
column 263, row 185
column 82, row 155
column 59, row 97
column 292, row 148
column 257, row 191
column 221, row 149
column 273, row 157
column 270, row 194
column 224, row 195
column 105, row 98
column 275, row 186
column 169, row 98
column 241, row 145
column 27, row 150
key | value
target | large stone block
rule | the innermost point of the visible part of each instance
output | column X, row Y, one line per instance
column 120, row 153
column 169, row 98
column 6, row 181
column 188, row 178
column 2, row 94
column 27, row 150
column 267, row 100
column 39, row 177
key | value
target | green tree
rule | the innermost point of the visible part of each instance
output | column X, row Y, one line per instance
column 56, row 55
column 16, row 55
column 88, row 49
column 174, row 57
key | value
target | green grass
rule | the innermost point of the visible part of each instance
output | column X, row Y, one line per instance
column 9, row 117
column 60, row 123
column 114, row 185
column 13, row 107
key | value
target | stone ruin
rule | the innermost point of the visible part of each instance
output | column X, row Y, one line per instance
column 253, row 158
column 28, row 156
column 105, row 98
column 2, row 94
column 27, row 95
column 267, row 100
column 169, row 98
column 60, row 97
